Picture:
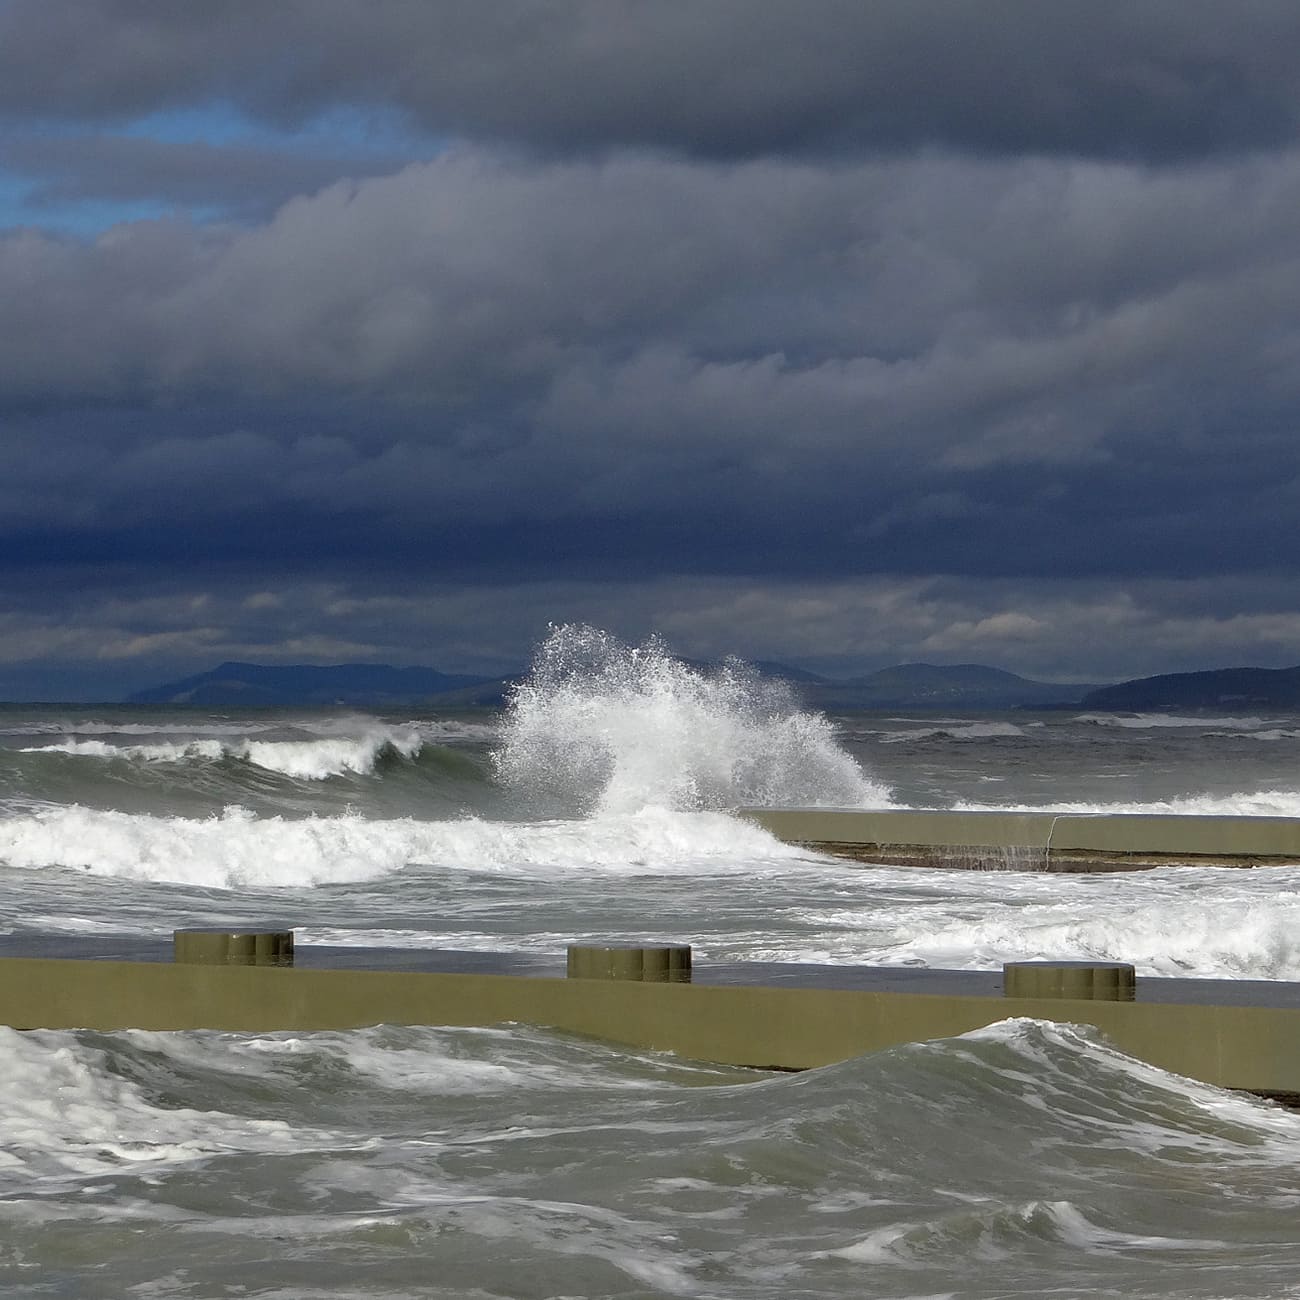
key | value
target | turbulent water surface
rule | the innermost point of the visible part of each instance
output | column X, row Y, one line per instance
column 1023, row 1160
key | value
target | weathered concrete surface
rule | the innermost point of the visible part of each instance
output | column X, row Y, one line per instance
column 1036, row 841
column 781, row 1018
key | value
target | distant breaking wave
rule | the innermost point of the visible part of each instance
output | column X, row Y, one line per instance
column 953, row 731
column 1151, row 721
column 303, row 760
column 603, row 727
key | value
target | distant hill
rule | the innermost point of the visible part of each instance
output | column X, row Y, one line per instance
column 908, row 686
column 238, row 685
column 764, row 668
column 931, row 686
column 1217, row 688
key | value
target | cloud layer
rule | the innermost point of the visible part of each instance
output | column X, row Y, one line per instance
column 976, row 325
column 1155, row 79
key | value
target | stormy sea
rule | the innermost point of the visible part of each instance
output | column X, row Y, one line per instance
column 1026, row 1159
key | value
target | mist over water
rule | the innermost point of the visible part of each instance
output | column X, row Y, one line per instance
column 603, row 727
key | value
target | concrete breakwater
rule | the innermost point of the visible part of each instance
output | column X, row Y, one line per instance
column 1232, row 1033
column 1036, row 841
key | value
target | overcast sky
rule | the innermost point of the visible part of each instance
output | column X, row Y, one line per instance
column 848, row 332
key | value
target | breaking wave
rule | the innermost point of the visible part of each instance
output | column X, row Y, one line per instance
column 954, row 731
column 303, row 760
column 239, row 849
column 600, row 726
column 1155, row 721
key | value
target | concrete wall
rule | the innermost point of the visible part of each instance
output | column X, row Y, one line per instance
column 1065, row 840
column 1255, row 1048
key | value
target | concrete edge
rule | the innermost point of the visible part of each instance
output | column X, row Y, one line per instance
column 1044, row 841
column 1251, row 1048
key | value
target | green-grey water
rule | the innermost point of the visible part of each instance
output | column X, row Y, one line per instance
column 1025, row 1160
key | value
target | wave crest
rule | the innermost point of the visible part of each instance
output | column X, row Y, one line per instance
column 240, row 850
column 600, row 726
column 302, row 760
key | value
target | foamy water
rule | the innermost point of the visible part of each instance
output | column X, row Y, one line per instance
column 307, row 760
column 1197, row 722
column 600, row 726
column 239, row 848
column 1022, row 1159
column 1025, row 1159
column 599, row 806
column 953, row 731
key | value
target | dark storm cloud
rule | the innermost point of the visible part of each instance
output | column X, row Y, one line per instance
column 843, row 332
column 733, row 78
column 1002, row 366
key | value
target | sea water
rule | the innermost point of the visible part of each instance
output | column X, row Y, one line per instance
column 1027, row 1159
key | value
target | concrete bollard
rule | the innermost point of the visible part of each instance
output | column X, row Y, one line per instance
column 1109, row 981
column 659, row 964
column 233, row 947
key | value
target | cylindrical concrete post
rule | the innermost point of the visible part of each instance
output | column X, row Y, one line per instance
column 1110, row 981
column 658, row 964
column 233, row 947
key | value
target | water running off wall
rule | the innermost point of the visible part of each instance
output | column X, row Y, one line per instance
column 599, row 726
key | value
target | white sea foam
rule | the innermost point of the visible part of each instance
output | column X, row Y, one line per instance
column 1150, row 721
column 451, row 731
column 996, row 1227
column 1160, row 934
column 164, row 752
column 599, row 725
column 239, row 849
column 423, row 1059
column 1259, row 1132
column 954, row 731
column 314, row 760
column 68, row 1115
column 305, row 760
column 1177, row 921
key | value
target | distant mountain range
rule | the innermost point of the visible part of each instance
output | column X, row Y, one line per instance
column 913, row 686
column 907, row 686
column 1225, row 689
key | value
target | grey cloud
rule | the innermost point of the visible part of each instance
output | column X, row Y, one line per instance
column 931, row 279
column 243, row 182
column 678, row 364
column 1153, row 79
column 1080, row 630
column 841, row 333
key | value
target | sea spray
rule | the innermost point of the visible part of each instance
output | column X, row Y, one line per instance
column 602, row 727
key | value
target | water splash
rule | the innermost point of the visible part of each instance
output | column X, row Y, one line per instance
column 603, row 727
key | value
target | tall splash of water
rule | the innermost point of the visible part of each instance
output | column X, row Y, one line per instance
column 603, row 727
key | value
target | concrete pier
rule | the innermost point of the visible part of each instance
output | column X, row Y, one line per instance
column 1035, row 841
column 1236, row 1034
